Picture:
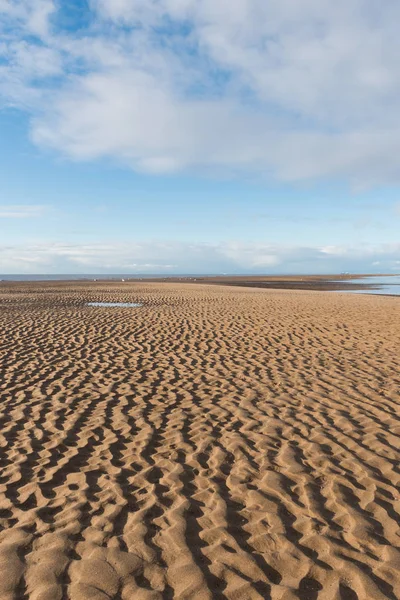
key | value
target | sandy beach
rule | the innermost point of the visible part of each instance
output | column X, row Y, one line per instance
column 217, row 442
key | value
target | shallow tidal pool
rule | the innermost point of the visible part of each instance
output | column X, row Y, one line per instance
column 115, row 304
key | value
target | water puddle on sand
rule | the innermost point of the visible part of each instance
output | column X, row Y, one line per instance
column 115, row 304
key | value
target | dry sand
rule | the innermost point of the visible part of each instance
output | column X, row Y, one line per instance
column 218, row 442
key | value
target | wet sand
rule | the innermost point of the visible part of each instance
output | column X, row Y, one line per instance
column 341, row 282
column 217, row 442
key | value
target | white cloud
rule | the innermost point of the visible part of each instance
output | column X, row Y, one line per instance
column 300, row 90
column 30, row 15
column 174, row 257
column 21, row 211
column 320, row 58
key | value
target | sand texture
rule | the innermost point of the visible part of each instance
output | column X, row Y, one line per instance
column 218, row 442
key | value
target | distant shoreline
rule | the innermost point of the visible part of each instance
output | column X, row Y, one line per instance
column 327, row 282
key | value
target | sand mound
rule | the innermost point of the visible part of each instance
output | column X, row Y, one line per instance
column 215, row 443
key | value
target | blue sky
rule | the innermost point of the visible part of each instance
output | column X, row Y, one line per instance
column 204, row 136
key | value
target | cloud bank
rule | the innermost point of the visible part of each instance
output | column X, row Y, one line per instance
column 173, row 257
column 291, row 90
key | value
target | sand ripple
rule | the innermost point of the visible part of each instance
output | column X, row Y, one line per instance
column 217, row 443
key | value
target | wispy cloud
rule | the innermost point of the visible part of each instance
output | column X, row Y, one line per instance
column 28, row 211
column 295, row 90
column 174, row 257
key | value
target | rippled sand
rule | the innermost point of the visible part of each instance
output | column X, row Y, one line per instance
column 217, row 442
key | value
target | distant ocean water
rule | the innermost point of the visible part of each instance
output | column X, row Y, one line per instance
column 382, row 285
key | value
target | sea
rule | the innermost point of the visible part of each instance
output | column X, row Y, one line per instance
column 388, row 286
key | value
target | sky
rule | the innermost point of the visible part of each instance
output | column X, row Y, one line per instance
column 199, row 136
